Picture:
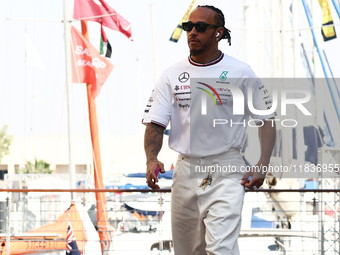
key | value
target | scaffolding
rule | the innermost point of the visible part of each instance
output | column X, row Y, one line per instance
column 328, row 204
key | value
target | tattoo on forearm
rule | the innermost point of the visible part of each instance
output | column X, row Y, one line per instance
column 153, row 140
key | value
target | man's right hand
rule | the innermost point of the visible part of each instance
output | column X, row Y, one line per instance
column 151, row 178
column 153, row 140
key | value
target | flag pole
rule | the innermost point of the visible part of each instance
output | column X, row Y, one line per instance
column 67, row 31
column 102, row 217
column 154, row 44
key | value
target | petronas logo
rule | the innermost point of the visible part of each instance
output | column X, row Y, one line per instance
column 223, row 75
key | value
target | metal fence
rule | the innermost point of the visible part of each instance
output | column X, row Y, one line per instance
column 273, row 221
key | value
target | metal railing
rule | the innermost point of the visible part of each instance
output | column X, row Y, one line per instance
column 140, row 221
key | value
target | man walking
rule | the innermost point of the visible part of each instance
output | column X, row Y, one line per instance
column 206, row 208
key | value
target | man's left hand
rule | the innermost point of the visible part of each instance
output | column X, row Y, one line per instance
column 258, row 173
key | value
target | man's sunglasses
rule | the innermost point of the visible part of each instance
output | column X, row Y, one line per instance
column 200, row 27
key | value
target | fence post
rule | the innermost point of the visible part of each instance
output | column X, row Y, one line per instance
column 321, row 211
column 337, row 208
column 8, row 229
column 160, row 222
column 84, row 219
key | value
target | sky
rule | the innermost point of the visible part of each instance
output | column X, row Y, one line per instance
column 32, row 101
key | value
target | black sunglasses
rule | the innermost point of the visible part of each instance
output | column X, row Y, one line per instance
column 200, row 27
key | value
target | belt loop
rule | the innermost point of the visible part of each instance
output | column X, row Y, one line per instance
column 215, row 161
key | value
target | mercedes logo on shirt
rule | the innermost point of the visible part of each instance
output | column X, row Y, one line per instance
column 183, row 77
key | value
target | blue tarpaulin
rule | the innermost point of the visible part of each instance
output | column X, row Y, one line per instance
column 141, row 212
column 257, row 222
column 166, row 175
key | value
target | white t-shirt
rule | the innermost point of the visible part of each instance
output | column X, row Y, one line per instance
column 177, row 97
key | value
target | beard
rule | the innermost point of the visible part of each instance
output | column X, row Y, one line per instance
column 196, row 52
column 199, row 51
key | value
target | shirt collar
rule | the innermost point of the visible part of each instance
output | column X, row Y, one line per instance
column 215, row 61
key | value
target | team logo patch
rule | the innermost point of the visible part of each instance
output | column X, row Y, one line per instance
column 183, row 77
column 223, row 75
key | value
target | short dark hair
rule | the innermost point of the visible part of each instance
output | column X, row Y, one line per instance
column 220, row 21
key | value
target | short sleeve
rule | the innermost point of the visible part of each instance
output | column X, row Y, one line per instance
column 261, row 100
column 158, row 107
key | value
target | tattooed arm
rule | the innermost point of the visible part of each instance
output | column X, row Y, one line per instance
column 153, row 141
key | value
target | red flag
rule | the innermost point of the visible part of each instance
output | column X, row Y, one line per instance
column 90, row 8
column 87, row 64
column 172, row 167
